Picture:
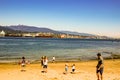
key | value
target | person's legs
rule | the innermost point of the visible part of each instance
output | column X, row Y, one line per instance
column 46, row 68
column 98, row 75
column 23, row 67
column 101, row 77
column 43, row 68
column 101, row 73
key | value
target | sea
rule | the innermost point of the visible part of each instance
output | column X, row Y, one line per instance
column 13, row 48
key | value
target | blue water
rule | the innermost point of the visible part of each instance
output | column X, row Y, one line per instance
column 62, row 49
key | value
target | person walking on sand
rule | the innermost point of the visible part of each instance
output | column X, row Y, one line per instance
column 99, row 67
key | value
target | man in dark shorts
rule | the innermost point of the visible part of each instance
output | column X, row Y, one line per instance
column 99, row 67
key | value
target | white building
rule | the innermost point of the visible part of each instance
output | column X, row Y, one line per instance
column 2, row 33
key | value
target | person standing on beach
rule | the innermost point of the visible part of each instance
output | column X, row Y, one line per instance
column 99, row 67
column 23, row 63
column 45, row 64
column 53, row 59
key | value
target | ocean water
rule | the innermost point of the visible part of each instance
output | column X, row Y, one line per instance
column 62, row 49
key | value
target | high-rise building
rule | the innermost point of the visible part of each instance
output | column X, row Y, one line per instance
column 2, row 33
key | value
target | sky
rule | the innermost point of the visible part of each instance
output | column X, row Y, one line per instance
column 101, row 17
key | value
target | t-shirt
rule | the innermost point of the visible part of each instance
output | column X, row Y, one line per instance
column 73, row 67
column 100, row 61
column 45, row 62
column 23, row 61
column 53, row 58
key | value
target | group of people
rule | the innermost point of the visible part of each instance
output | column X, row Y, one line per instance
column 44, row 64
column 66, row 68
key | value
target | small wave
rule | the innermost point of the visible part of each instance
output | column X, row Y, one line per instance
column 2, row 44
column 14, row 44
column 30, row 43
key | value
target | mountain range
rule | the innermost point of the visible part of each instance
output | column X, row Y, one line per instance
column 24, row 28
column 77, row 33
column 31, row 29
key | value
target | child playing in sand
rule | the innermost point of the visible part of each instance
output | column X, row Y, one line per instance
column 66, row 69
column 73, row 68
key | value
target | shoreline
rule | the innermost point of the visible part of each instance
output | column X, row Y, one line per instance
column 111, row 56
column 57, row 61
column 108, row 39
column 16, row 60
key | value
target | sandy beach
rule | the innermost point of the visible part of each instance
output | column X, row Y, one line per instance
column 85, row 70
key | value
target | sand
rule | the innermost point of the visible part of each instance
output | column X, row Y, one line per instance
column 84, row 71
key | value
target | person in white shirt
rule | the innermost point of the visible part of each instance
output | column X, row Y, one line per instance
column 53, row 59
column 73, row 68
column 45, row 64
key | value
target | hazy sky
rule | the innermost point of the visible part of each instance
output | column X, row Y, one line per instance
column 100, row 17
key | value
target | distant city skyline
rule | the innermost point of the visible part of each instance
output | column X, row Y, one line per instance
column 101, row 17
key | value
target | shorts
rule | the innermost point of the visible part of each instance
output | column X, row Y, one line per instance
column 100, row 71
column 23, row 65
column 73, row 70
column 44, row 66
